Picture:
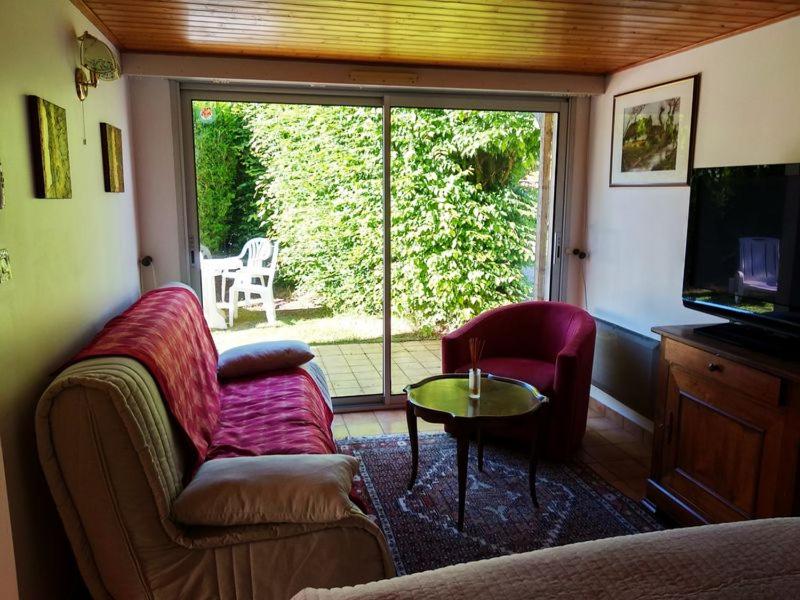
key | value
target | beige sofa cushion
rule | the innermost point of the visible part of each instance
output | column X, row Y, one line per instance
column 249, row 490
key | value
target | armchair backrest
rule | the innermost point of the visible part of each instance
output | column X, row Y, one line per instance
column 552, row 326
column 256, row 252
column 532, row 329
column 273, row 263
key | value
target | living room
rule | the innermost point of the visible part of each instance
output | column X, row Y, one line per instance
column 635, row 131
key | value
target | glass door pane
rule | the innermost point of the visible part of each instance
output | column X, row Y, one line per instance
column 471, row 223
column 290, row 221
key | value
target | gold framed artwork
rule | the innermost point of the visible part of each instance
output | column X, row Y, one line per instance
column 5, row 266
column 652, row 134
column 49, row 149
column 111, row 143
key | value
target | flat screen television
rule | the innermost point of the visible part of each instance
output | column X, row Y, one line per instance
column 743, row 252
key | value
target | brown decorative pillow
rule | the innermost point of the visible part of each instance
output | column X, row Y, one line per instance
column 249, row 490
column 252, row 359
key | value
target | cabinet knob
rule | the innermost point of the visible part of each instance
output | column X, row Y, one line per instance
column 713, row 367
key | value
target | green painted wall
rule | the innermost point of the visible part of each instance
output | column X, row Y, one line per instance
column 73, row 263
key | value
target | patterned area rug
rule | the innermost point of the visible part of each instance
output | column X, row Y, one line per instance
column 420, row 525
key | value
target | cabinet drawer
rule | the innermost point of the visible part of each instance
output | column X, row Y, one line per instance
column 760, row 386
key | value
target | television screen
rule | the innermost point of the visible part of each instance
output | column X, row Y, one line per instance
column 743, row 245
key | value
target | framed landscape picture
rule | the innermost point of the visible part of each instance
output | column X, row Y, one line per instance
column 652, row 136
column 49, row 149
column 111, row 142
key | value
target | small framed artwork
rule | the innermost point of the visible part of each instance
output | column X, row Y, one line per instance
column 652, row 134
column 5, row 266
column 111, row 143
column 49, row 149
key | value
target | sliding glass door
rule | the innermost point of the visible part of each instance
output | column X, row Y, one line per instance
column 368, row 225
column 289, row 217
column 471, row 223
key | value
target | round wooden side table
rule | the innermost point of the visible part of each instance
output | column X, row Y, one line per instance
column 445, row 399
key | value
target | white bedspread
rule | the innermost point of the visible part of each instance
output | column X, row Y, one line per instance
column 754, row 559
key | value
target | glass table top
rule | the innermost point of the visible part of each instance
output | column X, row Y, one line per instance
column 500, row 397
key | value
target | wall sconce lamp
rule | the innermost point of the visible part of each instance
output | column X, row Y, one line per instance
column 97, row 62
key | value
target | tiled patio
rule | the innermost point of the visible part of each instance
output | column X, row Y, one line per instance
column 354, row 369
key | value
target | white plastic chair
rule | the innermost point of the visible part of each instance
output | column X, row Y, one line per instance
column 213, row 299
column 259, row 263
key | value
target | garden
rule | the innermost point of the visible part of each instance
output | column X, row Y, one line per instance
column 463, row 210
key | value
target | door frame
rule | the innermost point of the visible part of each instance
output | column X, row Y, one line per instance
column 385, row 99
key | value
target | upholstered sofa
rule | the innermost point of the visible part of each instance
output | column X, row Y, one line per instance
column 547, row 344
column 732, row 561
column 173, row 483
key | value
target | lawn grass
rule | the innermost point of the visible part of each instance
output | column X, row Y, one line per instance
column 316, row 326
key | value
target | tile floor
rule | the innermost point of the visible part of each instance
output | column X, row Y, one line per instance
column 353, row 369
column 615, row 450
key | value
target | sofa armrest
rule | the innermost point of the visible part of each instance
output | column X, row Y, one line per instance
column 252, row 490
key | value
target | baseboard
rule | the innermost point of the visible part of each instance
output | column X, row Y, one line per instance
column 621, row 409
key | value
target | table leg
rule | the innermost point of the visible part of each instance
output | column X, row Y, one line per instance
column 411, row 419
column 533, row 462
column 480, row 450
column 463, row 458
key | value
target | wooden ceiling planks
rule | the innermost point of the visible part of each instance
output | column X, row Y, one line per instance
column 580, row 36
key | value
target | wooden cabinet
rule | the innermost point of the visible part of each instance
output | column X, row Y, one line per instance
column 727, row 432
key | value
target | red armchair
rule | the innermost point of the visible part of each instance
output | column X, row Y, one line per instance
column 547, row 344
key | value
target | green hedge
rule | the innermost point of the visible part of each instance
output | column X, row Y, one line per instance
column 462, row 219
column 226, row 173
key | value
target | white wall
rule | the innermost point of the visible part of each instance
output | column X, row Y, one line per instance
column 158, row 175
column 73, row 261
column 748, row 113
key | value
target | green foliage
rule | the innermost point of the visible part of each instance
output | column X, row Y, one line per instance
column 462, row 222
column 226, row 172
column 462, row 219
column 320, row 196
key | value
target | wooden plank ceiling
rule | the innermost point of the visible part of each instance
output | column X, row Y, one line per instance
column 589, row 36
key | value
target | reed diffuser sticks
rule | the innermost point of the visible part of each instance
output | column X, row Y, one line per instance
column 475, row 350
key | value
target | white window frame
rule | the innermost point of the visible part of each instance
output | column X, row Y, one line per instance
column 385, row 99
